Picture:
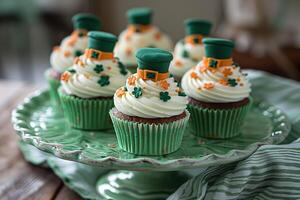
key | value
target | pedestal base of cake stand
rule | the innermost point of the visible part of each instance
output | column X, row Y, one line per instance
column 132, row 185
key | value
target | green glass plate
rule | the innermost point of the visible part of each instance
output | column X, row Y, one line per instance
column 39, row 124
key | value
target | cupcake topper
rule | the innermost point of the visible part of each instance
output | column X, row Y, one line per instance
column 139, row 16
column 217, row 52
column 100, row 45
column 86, row 21
column 195, row 29
column 153, row 63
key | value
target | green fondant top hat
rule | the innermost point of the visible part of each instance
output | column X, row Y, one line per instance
column 140, row 16
column 197, row 26
column 218, row 48
column 154, row 59
column 86, row 21
column 101, row 41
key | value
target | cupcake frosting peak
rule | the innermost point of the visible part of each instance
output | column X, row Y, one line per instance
column 96, row 73
column 216, row 79
column 151, row 92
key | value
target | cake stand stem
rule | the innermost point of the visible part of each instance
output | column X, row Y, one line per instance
column 132, row 185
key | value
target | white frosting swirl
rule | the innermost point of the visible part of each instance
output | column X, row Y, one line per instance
column 182, row 64
column 89, row 80
column 62, row 57
column 150, row 104
column 223, row 85
column 139, row 40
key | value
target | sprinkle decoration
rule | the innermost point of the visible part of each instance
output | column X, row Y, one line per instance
column 208, row 86
column 157, row 36
column 232, row 82
column 185, row 54
column 178, row 63
column 181, row 93
column 164, row 84
column 98, row 68
column 123, row 69
column 72, row 71
column 104, row 80
column 223, row 82
column 227, row 72
column 65, row 76
column 194, row 75
column 131, row 80
column 213, row 63
column 137, row 92
column 120, row 92
column 67, row 53
column 164, row 96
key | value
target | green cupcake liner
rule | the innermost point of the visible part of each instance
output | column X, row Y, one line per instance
column 86, row 114
column 217, row 123
column 53, row 87
column 149, row 139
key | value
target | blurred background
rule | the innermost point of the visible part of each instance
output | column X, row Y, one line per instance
column 266, row 32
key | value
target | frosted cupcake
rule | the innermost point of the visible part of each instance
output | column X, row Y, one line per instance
column 219, row 93
column 88, row 87
column 189, row 51
column 150, row 115
column 139, row 33
column 72, row 46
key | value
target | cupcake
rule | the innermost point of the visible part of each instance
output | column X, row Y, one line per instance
column 150, row 113
column 139, row 33
column 89, row 85
column 72, row 46
column 219, row 93
column 189, row 51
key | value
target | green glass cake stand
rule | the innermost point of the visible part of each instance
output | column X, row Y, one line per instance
column 139, row 177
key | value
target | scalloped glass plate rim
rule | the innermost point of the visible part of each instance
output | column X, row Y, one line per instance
column 150, row 163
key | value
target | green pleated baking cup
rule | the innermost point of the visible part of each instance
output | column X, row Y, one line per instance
column 217, row 123
column 149, row 139
column 86, row 114
column 53, row 87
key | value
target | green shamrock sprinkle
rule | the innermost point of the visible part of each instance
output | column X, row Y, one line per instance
column 103, row 81
column 182, row 94
column 213, row 63
column 185, row 54
column 164, row 96
column 98, row 68
column 137, row 92
column 232, row 82
column 171, row 75
column 123, row 69
column 72, row 71
column 78, row 53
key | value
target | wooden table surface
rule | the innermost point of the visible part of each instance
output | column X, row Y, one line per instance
column 19, row 179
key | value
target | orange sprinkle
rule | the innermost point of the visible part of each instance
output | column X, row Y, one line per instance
column 131, row 80
column 164, row 84
column 194, row 75
column 114, row 61
column 238, row 79
column 109, row 68
column 56, row 48
column 157, row 36
column 120, row 92
column 241, row 84
column 227, row 72
column 67, row 53
column 178, row 89
column 128, row 51
column 203, row 69
column 178, row 63
column 65, row 76
column 208, row 86
column 223, row 82
column 77, row 61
